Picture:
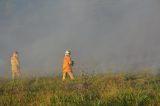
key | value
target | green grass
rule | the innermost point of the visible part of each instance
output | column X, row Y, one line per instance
column 112, row 89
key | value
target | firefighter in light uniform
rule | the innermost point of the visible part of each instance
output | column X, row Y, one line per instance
column 67, row 66
column 15, row 65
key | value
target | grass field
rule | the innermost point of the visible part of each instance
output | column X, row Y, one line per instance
column 112, row 89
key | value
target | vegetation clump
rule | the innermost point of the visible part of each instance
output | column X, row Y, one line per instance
column 112, row 89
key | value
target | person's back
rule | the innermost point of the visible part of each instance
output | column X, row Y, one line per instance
column 14, row 60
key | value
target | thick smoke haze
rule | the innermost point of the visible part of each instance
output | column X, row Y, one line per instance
column 102, row 34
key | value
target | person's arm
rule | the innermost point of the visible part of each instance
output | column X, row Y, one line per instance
column 70, row 61
column 64, row 63
column 17, row 61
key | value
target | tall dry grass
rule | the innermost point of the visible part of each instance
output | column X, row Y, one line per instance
column 112, row 89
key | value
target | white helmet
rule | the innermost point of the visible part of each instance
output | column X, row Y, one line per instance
column 67, row 52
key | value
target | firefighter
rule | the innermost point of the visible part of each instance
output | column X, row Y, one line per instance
column 67, row 66
column 15, row 65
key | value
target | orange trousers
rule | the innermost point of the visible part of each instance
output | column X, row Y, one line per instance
column 69, row 73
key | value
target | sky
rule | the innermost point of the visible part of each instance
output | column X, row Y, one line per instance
column 101, row 34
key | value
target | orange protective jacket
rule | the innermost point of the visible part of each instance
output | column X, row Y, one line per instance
column 67, row 63
column 15, row 63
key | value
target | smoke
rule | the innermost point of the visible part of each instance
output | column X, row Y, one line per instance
column 102, row 34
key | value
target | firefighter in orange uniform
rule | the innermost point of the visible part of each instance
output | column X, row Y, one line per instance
column 15, row 65
column 67, row 66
